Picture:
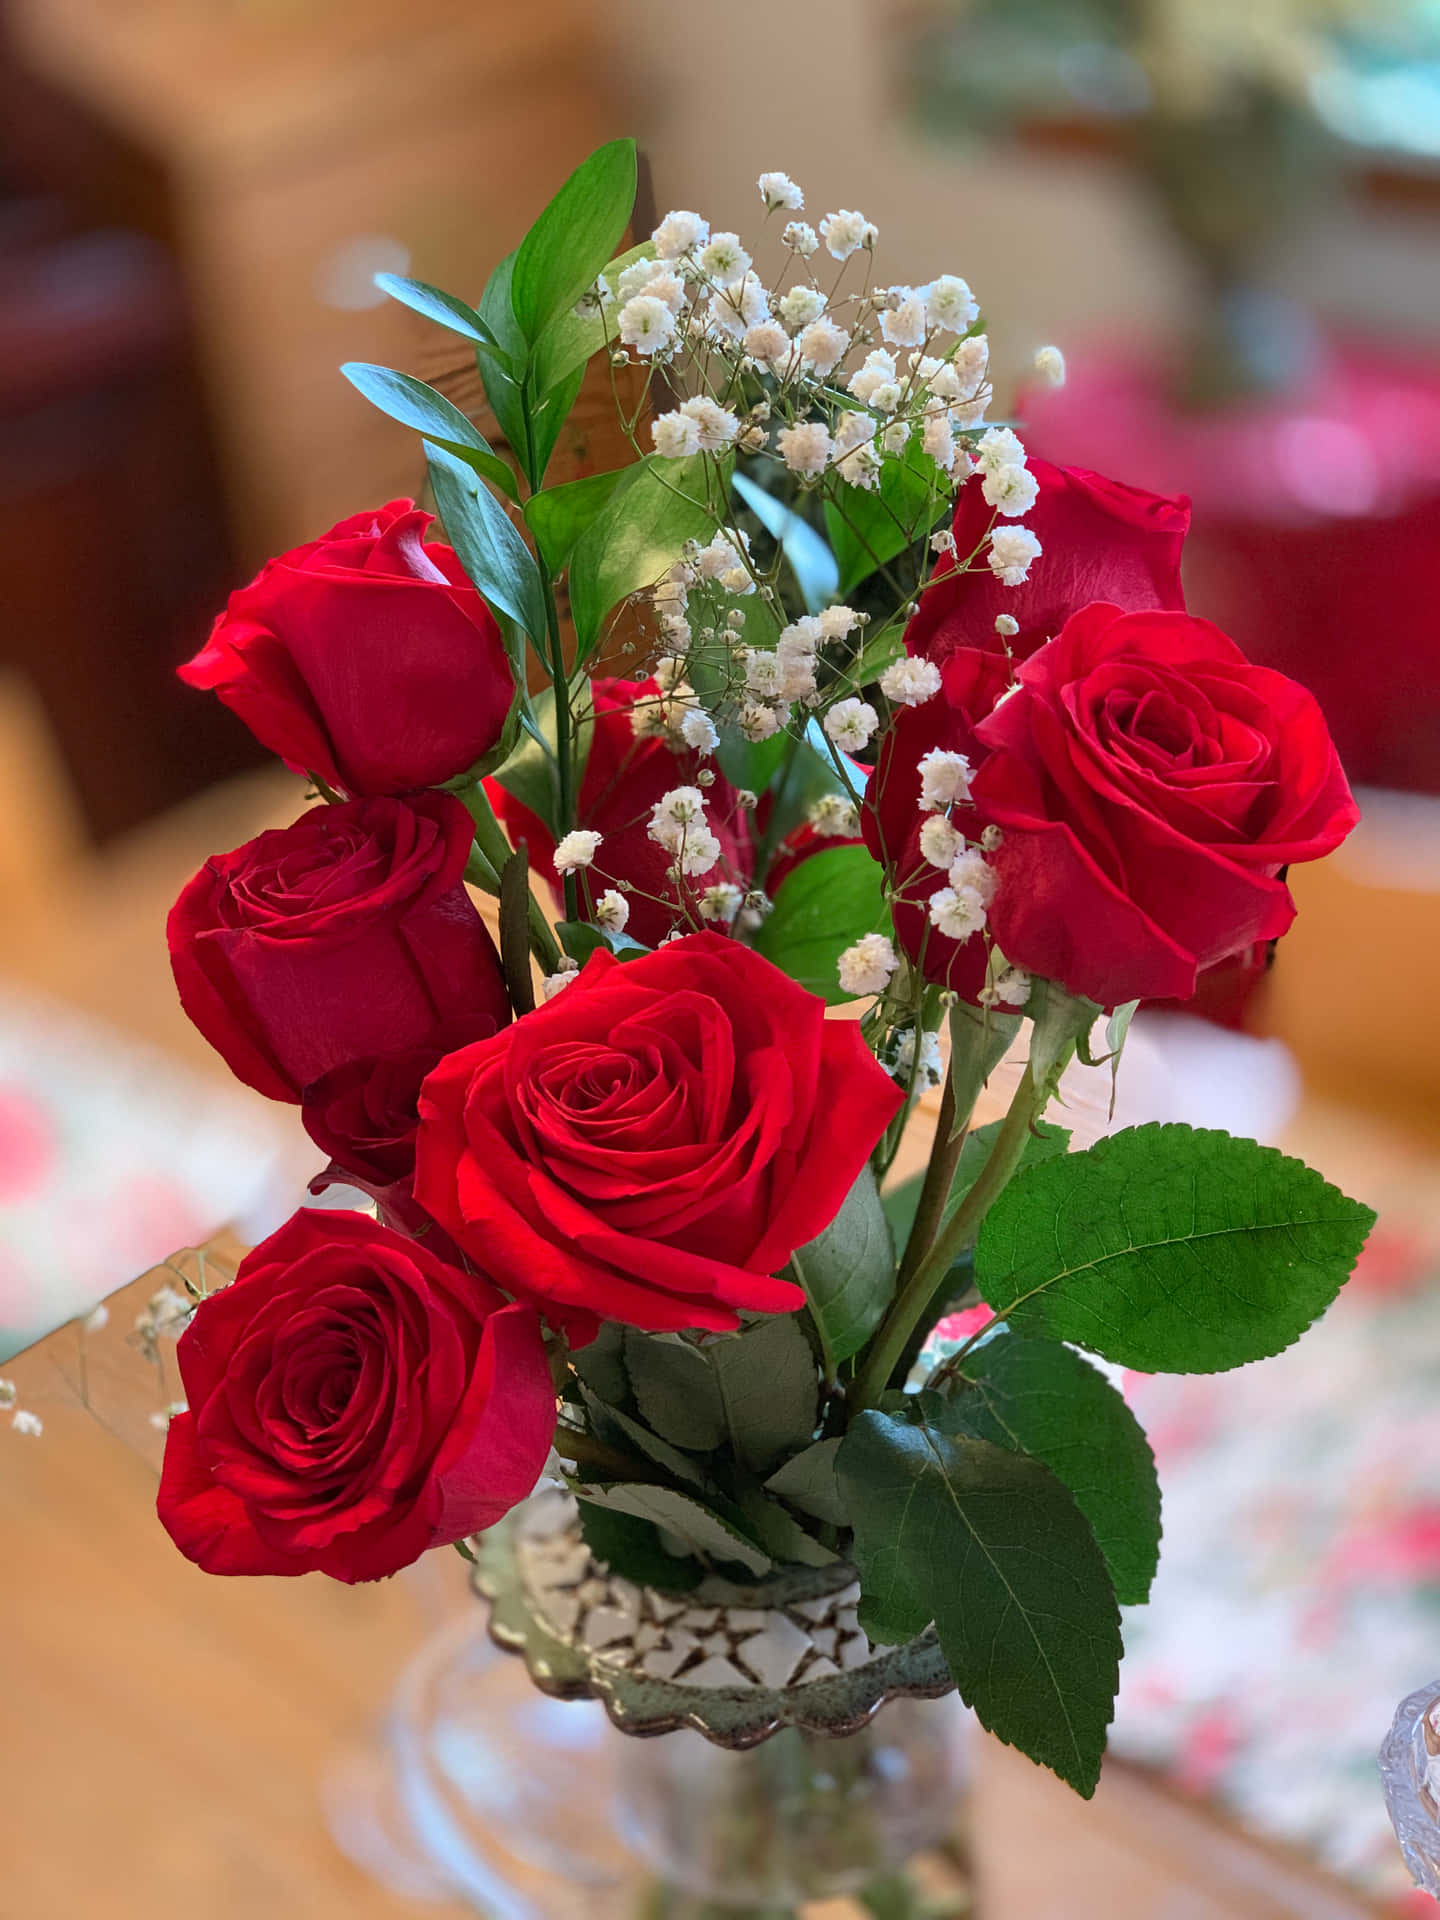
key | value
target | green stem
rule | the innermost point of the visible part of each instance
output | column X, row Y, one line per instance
column 564, row 734
column 495, row 850
column 586, row 1451
column 777, row 801
column 935, row 1190
column 916, row 1294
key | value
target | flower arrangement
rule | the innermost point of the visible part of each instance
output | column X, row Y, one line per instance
column 860, row 712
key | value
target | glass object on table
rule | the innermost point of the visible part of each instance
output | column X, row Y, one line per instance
column 1410, row 1773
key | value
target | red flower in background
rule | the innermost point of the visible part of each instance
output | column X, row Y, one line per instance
column 366, row 657
column 343, row 937
column 1100, row 540
column 654, row 1143
column 624, row 777
column 352, row 1401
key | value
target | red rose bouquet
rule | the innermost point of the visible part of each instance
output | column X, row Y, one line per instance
column 922, row 757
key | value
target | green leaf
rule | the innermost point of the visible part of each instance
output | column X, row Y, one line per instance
column 571, row 337
column 503, row 369
column 675, row 1463
column 990, row 1546
column 1040, row 1398
column 632, row 1549
column 848, row 1272
column 870, row 528
column 1061, row 1024
column 1170, row 1249
column 675, row 1390
column 811, row 561
column 548, row 416
column 601, row 1366
column 979, row 1040
column 414, row 404
column 824, row 906
column 769, row 1388
column 580, row 939
column 445, row 309
column 673, row 1512
column 808, row 1481
column 530, row 772
column 574, row 237
column 656, row 507
column 515, row 932
column 781, row 1534
column 876, row 655
column 558, row 516
column 490, row 550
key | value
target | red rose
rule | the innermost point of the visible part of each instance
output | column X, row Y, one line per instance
column 624, row 777
column 1150, row 784
column 652, row 1144
column 352, row 1402
column 347, row 935
column 366, row 657
column 1100, row 540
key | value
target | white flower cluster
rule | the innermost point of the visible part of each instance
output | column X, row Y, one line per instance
column 959, row 908
column 678, row 824
column 866, row 967
column 898, row 1059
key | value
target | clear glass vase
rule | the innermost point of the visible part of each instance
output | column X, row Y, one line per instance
column 1410, row 1773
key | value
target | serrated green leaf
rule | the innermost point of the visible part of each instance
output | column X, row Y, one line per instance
column 870, row 528
column 1170, row 1249
column 574, row 237
column 643, row 1440
column 601, row 1366
column 657, row 506
column 848, row 1271
column 673, row 1512
column 483, row 535
column 769, row 1389
column 809, row 1482
column 822, row 907
column 445, row 309
column 993, row 1548
column 1041, row 1398
column 781, row 1534
column 631, row 1548
column 558, row 516
column 810, row 560
column 675, row 1390
column 415, row 405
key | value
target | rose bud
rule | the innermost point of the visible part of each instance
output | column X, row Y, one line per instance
column 655, row 1142
column 366, row 657
column 352, row 1401
column 345, row 936
column 625, row 774
column 1099, row 540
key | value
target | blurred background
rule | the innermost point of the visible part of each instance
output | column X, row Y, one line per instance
column 1227, row 213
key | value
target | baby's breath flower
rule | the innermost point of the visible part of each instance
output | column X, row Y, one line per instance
column 823, row 346
column 957, row 915
column 1010, row 490
column 717, row 426
column 675, row 435
column 850, row 723
column 806, row 449
column 162, row 1417
column 903, row 325
column 1006, row 625
column 886, row 397
column 940, row 842
column 651, row 278
column 846, row 232
column 732, row 311
column 769, row 345
column 909, row 683
column 737, row 580
column 697, row 730
column 27, row 1423
column 612, row 912
column 1010, row 988
column 778, row 190
column 866, row 967
column 646, row 324
column 1012, row 552
column 758, row 721
column 802, row 237
column 553, row 983
column 724, row 260
column 992, row 838
column 930, row 1071
column 721, row 902
column 971, row 872
column 876, row 370
column 699, row 852
column 942, row 542
column 938, row 440
column 673, row 814
column 1050, row 366
column 834, row 817
column 576, row 850
column 944, row 778
column 896, row 436
column 8, row 1395
column 801, row 305
column 720, row 557
column 949, row 303
column 680, row 232
column 765, row 676
column 999, row 447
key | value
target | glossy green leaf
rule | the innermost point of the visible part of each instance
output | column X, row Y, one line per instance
column 414, row 404
column 445, row 309
column 572, row 337
column 515, row 932
column 503, row 370
column 698, row 1527
column 848, row 1271
column 484, row 536
column 769, row 1388
column 580, row 939
column 870, row 528
column 631, row 1548
column 877, row 654
column 656, row 507
column 574, row 238
column 809, row 1482
column 822, row 907
column 1041, row 1398
column 558, row 516
column 548, row 416
column 810, row 560
column 530, row 772
column 989, row 1545
column 1170, row 1249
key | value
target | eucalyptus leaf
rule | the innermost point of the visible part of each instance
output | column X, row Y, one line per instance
column 1169, row 1249
column 769, row 1389
column 822, row 907
column 989, row 1545
column 1041, row 1398
column 676, row 1390
column 808, row 1481
column 848, row 1271
column 414, row 404
column 574, row 237
column 701, row 1529
column 655, row 508
column 483, row 535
